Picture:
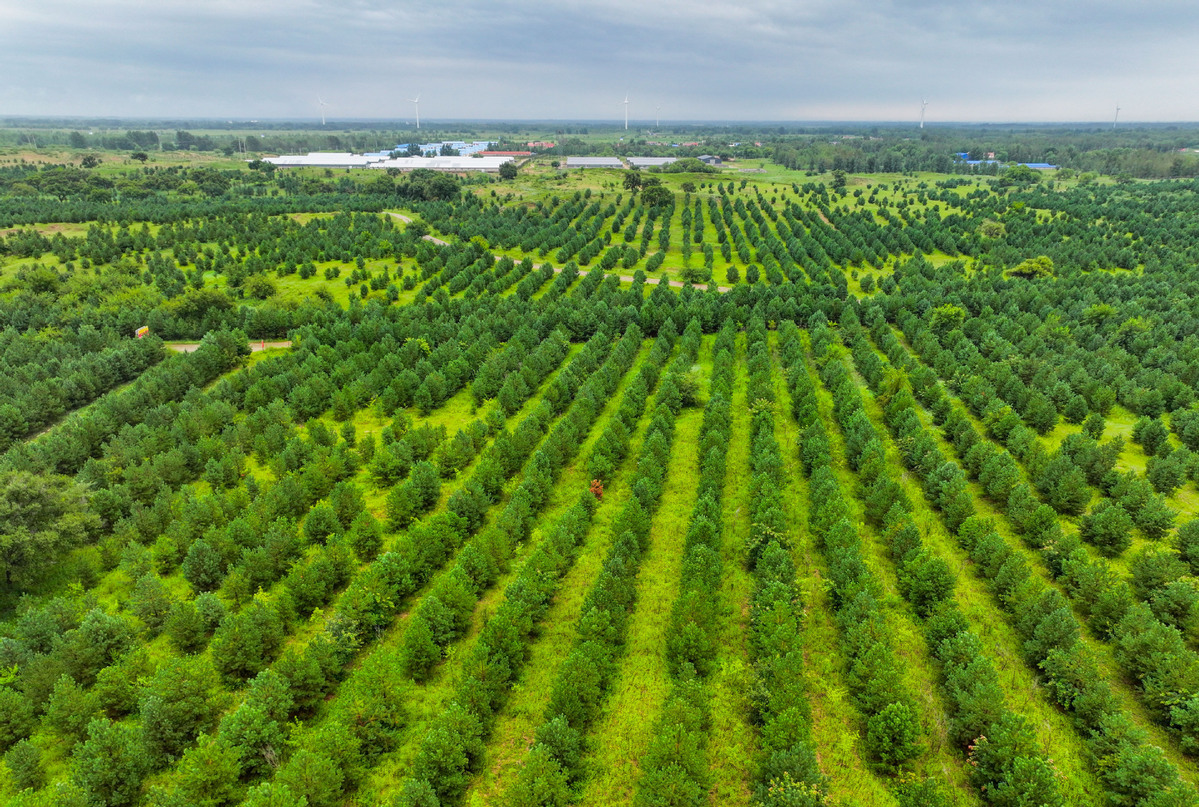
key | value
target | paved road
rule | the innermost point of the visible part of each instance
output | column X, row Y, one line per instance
column 678, row 284
column 255, row 346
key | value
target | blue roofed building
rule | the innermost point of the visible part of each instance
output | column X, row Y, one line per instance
column 963, row 157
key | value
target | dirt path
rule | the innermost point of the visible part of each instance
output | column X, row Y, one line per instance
column 430, row 238
column 179, row 347
column 255, row 346
column 655, row 281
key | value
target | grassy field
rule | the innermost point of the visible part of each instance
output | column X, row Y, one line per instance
column 940, row 760
column 838, row 727
column 623, row 732
column 523, row 712
column 1020, row 684
column 733, row 742
column 1102, row 652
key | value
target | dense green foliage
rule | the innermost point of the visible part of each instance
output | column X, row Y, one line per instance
column 318, row 574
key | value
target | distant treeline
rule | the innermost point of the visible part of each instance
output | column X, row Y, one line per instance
column 64, row 193
column 1150, row 152
column 1144, row 153
column 263, row 140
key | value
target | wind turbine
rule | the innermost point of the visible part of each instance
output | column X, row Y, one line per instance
column 1117, row 115
column 626, row 111
column 416, row 101
column 923, row 104
column 322, row 105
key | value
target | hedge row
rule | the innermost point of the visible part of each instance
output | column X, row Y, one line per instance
column 787, row 769
column 554, row 764
column 1007, row 766
column 893, row 731
column 674, row 769
column 1134, row 772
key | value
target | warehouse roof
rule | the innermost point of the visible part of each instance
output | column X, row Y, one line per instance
column 594, row 162
column 322, row 159
column 444, row 163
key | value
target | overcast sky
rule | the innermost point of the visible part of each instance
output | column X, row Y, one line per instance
column 801, row 60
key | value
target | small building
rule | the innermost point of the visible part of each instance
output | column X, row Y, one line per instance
column 963, row 157
column 709, row 159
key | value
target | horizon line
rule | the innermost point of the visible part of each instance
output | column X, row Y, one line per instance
column 616, row 123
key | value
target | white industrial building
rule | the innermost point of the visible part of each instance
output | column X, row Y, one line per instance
column 651, row 162
column 463, row 148
column 594, row 162
column 322, row 159
column 488, row 164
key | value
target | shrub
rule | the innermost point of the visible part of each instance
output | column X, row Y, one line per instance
column 1108, row 527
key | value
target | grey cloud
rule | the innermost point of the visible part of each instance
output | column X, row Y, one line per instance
column 758, row 59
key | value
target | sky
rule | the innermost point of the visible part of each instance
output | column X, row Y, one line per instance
column 752, row 60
